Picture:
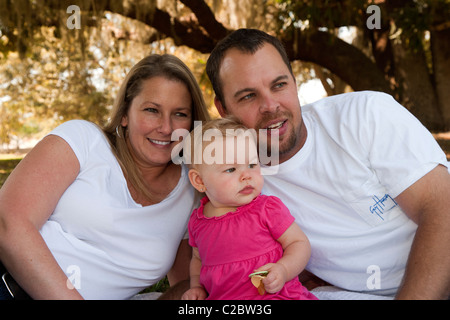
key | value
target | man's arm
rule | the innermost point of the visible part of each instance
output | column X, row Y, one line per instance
column 427, row 202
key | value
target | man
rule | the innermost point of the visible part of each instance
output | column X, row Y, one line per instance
column 365, row 180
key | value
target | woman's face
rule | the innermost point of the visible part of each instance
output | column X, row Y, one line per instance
column 161, row 107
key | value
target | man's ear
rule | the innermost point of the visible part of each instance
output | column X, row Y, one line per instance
column 196, row 180
column 220, row 108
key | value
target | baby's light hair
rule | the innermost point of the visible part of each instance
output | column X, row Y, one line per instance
column 199, row 138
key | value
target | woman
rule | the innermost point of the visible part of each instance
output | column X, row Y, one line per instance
column 101, row 214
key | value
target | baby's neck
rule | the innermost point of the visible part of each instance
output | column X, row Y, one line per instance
column 210, row 210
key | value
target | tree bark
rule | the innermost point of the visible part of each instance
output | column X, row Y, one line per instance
column 440, row 47
column 341, row 58
column 427, row 97
column 416, row 90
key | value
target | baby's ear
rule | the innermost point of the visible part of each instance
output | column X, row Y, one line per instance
column 196, row 180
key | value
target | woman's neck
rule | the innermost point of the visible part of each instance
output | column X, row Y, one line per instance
column 159, row 181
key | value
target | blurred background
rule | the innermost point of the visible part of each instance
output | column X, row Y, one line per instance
column 58, row 64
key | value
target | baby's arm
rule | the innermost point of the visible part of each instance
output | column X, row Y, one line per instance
column 297, row 252
column 196, row 292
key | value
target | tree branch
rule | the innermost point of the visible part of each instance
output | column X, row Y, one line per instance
column 183, row 32
column 341, row 58
column 207, row 19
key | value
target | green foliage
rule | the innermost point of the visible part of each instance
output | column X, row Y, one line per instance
column 6, row 167
column 51, row 84
column 411, row 18
column 50, row 73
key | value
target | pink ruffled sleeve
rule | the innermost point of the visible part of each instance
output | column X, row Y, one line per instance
column 277, row 216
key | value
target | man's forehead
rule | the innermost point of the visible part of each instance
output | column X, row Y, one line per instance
column 233, row 60
column 239, row 69
column 235, row 54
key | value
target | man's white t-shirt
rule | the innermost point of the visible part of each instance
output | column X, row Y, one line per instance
column 362, row 150
column 109, row 246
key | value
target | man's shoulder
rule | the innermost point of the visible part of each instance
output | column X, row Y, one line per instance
column 352, row 106
column 350, row 99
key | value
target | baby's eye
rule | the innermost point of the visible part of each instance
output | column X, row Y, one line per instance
column 252, row 165
column 230, row 170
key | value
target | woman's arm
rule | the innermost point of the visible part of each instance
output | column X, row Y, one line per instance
column 27, row 199
column 178, row 276
column 180, row 268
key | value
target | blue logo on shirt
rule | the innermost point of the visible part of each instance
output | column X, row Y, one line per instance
column 382, row 205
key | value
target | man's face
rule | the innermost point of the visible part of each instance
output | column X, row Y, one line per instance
column 259, row 89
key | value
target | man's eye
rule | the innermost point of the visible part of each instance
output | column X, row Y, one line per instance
column 280, row 85
column 247, row 97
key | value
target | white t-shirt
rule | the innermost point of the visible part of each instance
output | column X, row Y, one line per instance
column 362, row 150
column 109, row 246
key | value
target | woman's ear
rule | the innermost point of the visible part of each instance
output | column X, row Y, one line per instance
column 124, row 121
column 196, row 180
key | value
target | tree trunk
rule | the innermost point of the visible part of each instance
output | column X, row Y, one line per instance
column 415, row 88
column 341, row 58
column 440, row 46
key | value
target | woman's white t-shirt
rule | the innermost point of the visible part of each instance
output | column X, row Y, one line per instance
column 109, row 246
column 362, row 150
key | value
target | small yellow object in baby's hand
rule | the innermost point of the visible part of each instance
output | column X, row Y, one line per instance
column 256, row 278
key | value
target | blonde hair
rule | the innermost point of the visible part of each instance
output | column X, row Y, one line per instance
column 154, row 65
column 193, row 144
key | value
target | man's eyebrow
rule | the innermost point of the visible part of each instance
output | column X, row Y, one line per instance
column 282, row 77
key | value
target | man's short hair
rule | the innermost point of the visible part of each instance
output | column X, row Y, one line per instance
column 247, row 41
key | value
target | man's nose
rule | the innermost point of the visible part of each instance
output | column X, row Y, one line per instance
column 268, row 104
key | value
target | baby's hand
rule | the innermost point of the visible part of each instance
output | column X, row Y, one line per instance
column 276, row 278
column 197, row 293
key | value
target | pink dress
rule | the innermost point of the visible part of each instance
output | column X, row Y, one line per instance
column 233, row 245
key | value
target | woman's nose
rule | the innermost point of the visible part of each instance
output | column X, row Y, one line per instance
column 165, row 126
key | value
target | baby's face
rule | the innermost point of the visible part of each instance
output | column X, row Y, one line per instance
column 234, row 178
